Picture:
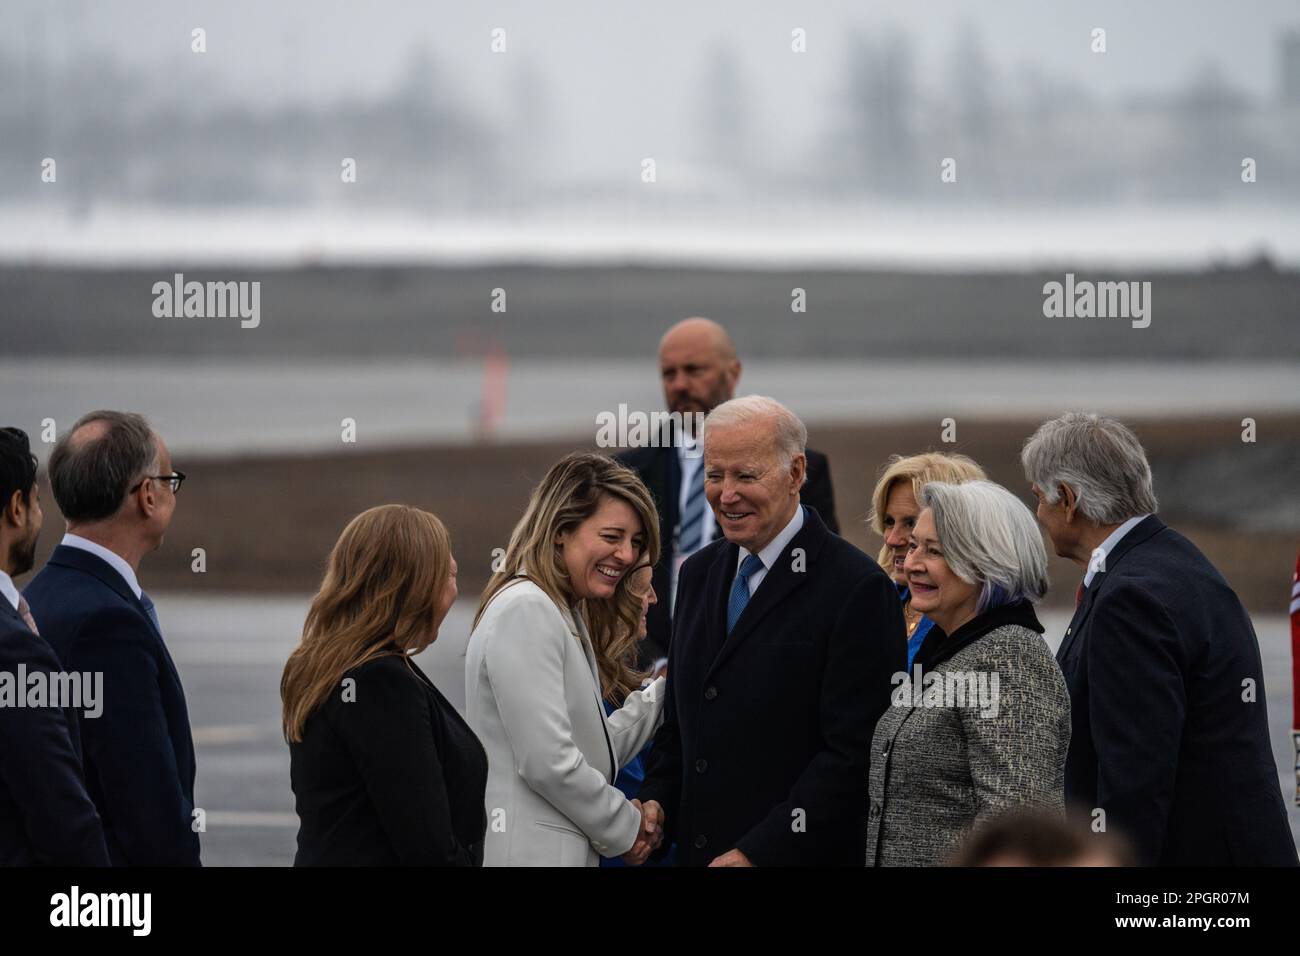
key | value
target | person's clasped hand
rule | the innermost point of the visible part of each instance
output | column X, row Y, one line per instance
column 650, row 834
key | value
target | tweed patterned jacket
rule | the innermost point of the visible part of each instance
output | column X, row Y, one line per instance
column 986, row 731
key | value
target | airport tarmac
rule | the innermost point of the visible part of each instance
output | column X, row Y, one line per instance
column 231, row 649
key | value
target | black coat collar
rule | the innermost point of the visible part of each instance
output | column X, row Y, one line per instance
column 78, row 559
column 9, row 611
column 1142, row 532
column 780, row 580
column 1148, row 527
column 939, row 647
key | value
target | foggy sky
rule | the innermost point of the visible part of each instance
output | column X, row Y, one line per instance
column 619, row 80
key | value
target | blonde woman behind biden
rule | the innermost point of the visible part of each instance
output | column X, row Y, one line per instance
column 895, row 506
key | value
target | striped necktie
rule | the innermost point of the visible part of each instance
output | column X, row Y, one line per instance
column 691, row 529
column 25, row 612
column 740, row 589
column 149, row 609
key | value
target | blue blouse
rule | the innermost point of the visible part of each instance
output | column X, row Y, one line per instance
column 922, row 628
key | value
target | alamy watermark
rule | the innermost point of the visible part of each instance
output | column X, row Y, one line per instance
column 208, row 300
column 975, row 689
column 40, row 688
column 637, row 429
column 1102, row 300
column 75, row 908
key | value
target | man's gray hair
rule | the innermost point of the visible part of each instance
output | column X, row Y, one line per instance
column 1099, row 459
column 989, row 538
column 789, row 432
column 90, row 477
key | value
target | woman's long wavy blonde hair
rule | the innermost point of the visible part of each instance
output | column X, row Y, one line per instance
column 570, row 494
column 379, row 597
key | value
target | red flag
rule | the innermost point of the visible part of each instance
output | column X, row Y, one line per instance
column 1295, row 673
column 496, row 372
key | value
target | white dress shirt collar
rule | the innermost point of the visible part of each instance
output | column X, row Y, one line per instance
column 114, row 560
column 8, row 589
column 773, row 550
column 1107, row 546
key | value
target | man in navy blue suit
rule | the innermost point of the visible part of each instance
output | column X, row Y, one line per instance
column 1170, row 729
column 785, row 640
column 113, row 480
column 46, row 816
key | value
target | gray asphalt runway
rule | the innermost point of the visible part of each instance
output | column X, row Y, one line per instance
column 582, row 311
column 230, row 650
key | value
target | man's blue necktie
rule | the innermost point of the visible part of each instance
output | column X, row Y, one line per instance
column 149, row 609
column 691, row 533
column 740, row 589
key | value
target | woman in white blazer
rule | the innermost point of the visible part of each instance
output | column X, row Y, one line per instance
column 554, row 637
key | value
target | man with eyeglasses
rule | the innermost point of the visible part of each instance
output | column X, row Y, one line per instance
column 113, row 480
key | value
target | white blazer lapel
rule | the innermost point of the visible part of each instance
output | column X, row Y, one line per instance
column 579, row 629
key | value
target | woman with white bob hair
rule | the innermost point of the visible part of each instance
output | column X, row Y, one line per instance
column 982, row 724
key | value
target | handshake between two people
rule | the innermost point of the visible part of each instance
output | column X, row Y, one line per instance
column 651, row 835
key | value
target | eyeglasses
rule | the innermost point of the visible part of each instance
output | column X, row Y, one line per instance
column 174, row 479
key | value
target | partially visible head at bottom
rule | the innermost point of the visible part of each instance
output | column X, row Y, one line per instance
column 1032, row 836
